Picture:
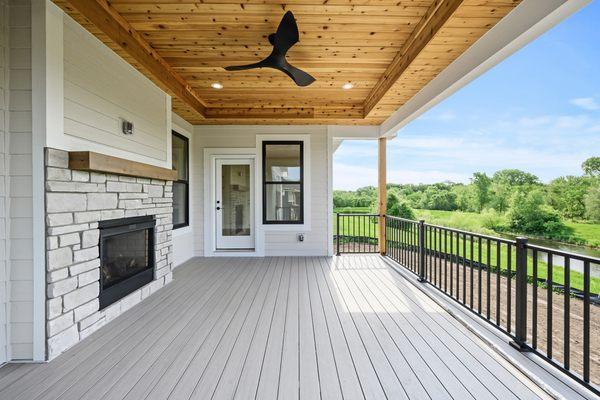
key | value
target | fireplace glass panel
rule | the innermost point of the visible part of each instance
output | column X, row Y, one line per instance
column 124, row 255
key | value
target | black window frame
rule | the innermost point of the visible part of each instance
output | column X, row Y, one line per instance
column 265, row 183
column 186, row 182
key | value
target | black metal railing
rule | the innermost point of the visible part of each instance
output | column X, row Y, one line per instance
column 356, row 233
column 540, row 297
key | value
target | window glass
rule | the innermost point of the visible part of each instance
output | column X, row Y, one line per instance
column 282, row 162
column 179, row 203
column 180, row 156
column 283, row 202
column 180, row 162
column 283, row 182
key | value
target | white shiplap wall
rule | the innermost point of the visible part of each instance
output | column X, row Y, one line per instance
column 20, row 183
column 100, row 90
column 276, row 242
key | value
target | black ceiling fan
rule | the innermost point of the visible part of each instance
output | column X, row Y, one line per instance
column 282, row 40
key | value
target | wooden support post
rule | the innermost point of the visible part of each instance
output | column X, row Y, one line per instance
column 382, row 193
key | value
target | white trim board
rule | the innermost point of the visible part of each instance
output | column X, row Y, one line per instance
column 210, row 154
column 526, row 22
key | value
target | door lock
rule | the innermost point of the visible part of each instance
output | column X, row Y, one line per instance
column 218, row 208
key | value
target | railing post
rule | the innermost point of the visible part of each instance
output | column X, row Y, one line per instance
column 338, row 234
column 520, row 341
column 421, row 250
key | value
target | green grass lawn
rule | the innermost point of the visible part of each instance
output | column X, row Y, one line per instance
column 472, row 222
column 589, row 232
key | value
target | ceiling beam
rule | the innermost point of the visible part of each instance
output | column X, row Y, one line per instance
column 112, row 24
column 436, row 16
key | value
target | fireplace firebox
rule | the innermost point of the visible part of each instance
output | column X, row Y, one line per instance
column 126, row 256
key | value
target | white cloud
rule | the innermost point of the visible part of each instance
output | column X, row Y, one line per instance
column 587, row 103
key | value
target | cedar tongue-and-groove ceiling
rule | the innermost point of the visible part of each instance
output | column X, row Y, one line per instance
column 387, row 49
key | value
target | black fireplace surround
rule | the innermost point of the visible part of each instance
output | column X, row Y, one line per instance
column 126, row 256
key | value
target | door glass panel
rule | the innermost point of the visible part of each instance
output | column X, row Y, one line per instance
column 235, row 199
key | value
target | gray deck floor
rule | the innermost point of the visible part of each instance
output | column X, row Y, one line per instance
column 286, row 327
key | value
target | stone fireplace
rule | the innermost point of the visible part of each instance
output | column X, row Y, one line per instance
column 92, row 277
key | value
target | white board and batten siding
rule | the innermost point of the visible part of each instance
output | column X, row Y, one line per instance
column 100, row 91
column 276, row 241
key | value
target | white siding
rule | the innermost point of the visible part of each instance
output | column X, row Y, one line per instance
column 276, row 242
column 100, row 90
column 20, row 184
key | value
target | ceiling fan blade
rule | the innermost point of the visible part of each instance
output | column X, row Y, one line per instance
column 300, row 77
column 287, row 34
column 259, row 64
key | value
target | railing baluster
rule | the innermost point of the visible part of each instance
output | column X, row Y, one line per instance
column 422, row 250
column 464, row 268
column 549, row 281
column 434, row 255
column 488, row 296
column 479, row 275
column 567, row 315
column 534, row 295
column 471, row 286
column 509, row 288
column 586, row 321
column 521, row 294
column 451, row 263
column 498, row 281
column 445, row 260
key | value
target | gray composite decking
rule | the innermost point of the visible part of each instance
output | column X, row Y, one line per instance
column 284, row 327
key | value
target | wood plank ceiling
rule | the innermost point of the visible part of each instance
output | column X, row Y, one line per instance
column 387, row 49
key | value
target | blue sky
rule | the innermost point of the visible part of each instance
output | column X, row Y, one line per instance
column 538, row 110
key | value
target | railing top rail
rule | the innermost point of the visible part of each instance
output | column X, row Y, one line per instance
column 357, row 215
column 563, row 253
column 402, row 219
column 481, row 235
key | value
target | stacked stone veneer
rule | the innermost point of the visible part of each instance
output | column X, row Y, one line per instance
column 75, row 202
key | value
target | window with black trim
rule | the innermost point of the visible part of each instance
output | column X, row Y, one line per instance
column 283, row 182
column 181, row 187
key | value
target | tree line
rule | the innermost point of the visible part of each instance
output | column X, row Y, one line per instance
column 510, row 200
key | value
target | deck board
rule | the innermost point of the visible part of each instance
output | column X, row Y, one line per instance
column 277, row 328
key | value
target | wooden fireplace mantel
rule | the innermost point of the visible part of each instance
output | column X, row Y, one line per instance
column 90, row 161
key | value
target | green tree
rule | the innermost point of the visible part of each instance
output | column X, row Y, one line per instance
column 566, row 195
column 591, row 166
column 508, row 181
column 464, row 197
column 481, row 184
column 395, row 207
column 515, row 177
column 529, row 214
column 592, row 203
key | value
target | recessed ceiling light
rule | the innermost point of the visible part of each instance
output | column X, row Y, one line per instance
column 347, row 86
column 217, row 85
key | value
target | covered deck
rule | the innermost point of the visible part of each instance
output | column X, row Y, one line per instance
column 346, row 327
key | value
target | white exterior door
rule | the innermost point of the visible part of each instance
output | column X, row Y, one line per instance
column 234, row 203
